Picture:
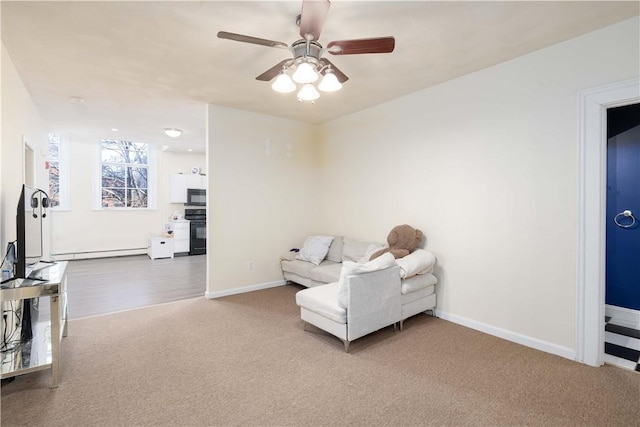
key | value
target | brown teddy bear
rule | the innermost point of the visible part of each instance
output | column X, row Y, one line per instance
column 403, row 239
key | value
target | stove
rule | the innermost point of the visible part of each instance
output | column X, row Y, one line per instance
column 198, row 230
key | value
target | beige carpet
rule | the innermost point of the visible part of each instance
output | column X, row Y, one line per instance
column 245, row 360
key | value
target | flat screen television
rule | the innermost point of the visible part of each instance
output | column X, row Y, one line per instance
column 30, row 213
column 32, row 209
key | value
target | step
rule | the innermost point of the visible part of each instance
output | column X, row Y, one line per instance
column 622, row 330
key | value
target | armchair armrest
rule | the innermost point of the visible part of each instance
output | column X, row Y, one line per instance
column 289, row 256
column 373, row 301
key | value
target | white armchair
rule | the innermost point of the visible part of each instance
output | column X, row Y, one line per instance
column 357, row 305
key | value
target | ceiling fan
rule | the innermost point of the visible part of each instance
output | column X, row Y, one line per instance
column 307, row 63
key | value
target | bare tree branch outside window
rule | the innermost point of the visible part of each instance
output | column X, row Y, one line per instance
column 54, row 169
column 125, row 171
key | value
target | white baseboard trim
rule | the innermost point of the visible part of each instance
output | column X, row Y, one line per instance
column 525, row 340
column 242, row 290
column 623, row 316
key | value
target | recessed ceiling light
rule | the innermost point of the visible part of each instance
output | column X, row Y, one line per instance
column 190, row 149
column 114, row 129
column 76, row 100
column 173, row 132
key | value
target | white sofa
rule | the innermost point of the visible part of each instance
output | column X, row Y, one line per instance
column 417, row 282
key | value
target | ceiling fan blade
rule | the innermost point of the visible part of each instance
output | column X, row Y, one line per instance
column 249, row 39
column 314, row 13
column 357, row 46
column 273, row 71
column 342, row 77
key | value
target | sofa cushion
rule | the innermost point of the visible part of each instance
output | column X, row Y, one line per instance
column 326, row 273
column 359, row 251
column 417, row 295
column 352, row 268
column 324, row 301
column 417, row 282
column 301, row 268
column 315, row 249
column 419, row 261
column 335, row 250
column 422, row 299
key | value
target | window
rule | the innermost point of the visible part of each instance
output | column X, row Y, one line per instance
column 54, row 170
column 57, row 168
column 125, row 172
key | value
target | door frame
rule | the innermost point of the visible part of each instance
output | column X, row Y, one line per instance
column 28, row 163
column 592, row 174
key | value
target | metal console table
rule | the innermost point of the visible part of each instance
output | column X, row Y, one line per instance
column 43, row 350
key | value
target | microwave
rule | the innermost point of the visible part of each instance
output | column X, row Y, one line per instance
column 196, row 197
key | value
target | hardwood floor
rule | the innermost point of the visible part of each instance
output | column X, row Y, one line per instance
column 108, row 285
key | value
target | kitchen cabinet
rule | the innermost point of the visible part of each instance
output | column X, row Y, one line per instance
column 180, row 182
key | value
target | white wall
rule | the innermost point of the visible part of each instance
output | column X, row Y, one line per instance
column 486, row 166
column 20, row 122
column 263, row 192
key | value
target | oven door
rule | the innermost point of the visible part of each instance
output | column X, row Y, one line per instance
column 198, row 239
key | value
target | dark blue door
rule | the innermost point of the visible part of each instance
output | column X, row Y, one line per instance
column 623, row 194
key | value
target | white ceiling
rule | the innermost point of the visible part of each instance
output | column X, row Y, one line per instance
column 145, row 65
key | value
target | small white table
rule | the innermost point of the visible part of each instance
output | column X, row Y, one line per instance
column 160, row 247
column 43, row 350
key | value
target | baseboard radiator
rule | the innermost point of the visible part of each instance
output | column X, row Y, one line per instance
column 102, row 253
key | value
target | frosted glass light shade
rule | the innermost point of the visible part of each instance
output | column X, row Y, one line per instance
column 330, row 82
column 283, row 83
column 173, row 133
column 305, row 73
column 308, row 93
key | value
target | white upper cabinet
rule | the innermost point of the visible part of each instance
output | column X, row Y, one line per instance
column 180, row 182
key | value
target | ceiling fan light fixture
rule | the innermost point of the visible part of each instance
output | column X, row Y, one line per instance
column 305, row 73
column 308, row 93
column 306, row 61
column 283, row 83
column 330, row 82
column 172, row 132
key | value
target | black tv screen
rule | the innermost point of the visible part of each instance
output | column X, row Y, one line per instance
column 29, row 230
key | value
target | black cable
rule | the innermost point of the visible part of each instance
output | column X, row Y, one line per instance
column 9, row 340
column 4, row 334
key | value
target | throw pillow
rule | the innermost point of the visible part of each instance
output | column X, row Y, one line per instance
column 372, row 249
column 355, row 250
column 335, row 250
column 350, row 268
column 419, row 261
column 315, row 249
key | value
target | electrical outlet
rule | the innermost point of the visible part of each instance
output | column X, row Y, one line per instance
column 250, row 265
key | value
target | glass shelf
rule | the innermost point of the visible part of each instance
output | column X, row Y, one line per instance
column 30, row 356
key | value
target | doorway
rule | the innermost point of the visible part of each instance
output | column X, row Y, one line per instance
column 29, row 166
column 590, row 294
column 622, row 271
